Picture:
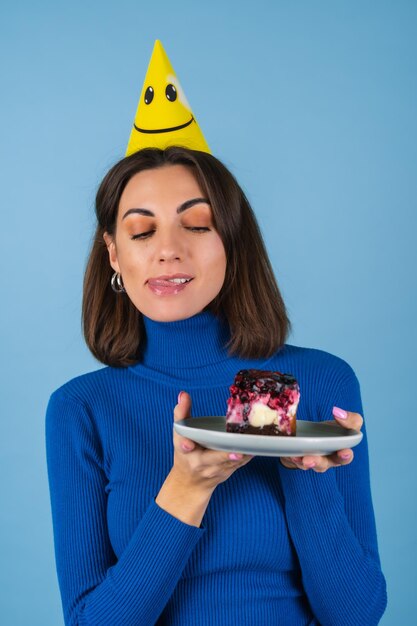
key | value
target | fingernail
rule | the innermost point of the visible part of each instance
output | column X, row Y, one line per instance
column 235, row 457
column 310, row 465
column 186, row 447
column 345, row 455
column 340, row 413
column 179, row 397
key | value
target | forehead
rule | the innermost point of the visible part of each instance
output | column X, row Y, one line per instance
column 169, row 183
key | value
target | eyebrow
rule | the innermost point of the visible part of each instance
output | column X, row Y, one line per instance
column 183, row 207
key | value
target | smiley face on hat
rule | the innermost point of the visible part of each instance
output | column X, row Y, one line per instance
column 164, row 117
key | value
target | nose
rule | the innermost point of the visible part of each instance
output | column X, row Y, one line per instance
column 170, row 248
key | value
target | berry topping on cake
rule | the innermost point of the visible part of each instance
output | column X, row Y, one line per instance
column 263, row 402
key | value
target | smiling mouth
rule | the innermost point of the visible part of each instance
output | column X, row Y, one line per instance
column 164, row 130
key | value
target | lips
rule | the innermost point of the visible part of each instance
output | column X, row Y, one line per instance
column 169, row 285
column 172, row 279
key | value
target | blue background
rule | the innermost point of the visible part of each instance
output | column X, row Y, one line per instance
column 312, row 105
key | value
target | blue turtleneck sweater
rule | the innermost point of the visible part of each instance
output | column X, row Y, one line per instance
column 275, row 546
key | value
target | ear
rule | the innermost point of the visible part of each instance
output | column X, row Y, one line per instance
column 111, row 248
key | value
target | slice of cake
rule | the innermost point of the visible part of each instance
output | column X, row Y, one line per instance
column 262, row 403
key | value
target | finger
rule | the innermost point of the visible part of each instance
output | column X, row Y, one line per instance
column 317, row 463
column 184, row 444
column 187, row 445
column 347, row 419
column 218, row 457
column 289, row 462
column 182, row 409
column 292, row 462
column 343, row 457
column 312, row 462
column 337, row 459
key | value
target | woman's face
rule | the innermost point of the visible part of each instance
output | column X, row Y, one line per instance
column 171, row 258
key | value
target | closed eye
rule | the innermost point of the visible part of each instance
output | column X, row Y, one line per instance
column 143, row 235
column 149, row 233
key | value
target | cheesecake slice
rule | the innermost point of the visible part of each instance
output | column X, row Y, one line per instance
column 263, row 402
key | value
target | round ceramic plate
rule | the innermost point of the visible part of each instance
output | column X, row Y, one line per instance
column 315, row 438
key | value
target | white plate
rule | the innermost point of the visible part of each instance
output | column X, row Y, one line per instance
column 315, row 438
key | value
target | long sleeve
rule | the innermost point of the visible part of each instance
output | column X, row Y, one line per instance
column 96, row 587
column 331, row 522
column 275, row 546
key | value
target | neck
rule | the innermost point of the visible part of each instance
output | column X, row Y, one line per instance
column 191, row 353
column 193, row 342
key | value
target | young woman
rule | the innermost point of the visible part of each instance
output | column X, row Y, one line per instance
column 149, row 527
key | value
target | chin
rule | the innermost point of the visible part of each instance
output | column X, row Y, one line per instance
column 171, row 314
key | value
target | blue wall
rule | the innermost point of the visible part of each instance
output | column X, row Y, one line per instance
column 313, row 107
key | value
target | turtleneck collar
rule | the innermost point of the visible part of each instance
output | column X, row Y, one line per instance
column 194, row 342
column 190, row 353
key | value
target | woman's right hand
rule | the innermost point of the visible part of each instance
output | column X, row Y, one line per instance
column 195, row 473
column 197, row 466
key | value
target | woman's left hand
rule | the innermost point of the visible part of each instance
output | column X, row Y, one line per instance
column 341, row 457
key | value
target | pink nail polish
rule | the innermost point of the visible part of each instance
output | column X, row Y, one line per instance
column 310, row 465
column 235, row 457
column 345, row 456
column 340, row 413
column 179, row 397
column 186, row 447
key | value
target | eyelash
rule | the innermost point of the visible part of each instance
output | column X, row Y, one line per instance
column 194, row 229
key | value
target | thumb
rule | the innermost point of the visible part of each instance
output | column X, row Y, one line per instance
column 182, row 411
column 348, row 419
column 183, row 408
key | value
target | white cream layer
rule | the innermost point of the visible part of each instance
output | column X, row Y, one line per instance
column 261, row 415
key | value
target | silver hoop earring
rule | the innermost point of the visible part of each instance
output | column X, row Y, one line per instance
column 117, row 283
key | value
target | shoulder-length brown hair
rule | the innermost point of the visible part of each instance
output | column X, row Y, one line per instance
column 249, row 299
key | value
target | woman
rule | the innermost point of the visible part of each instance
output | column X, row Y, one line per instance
column 149, row 527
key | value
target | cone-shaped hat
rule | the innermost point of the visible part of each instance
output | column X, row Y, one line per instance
column 164, row 117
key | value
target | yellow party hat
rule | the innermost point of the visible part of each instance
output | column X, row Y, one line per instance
column 164, row 117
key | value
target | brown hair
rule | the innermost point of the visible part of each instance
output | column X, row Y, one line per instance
column 249, row 300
